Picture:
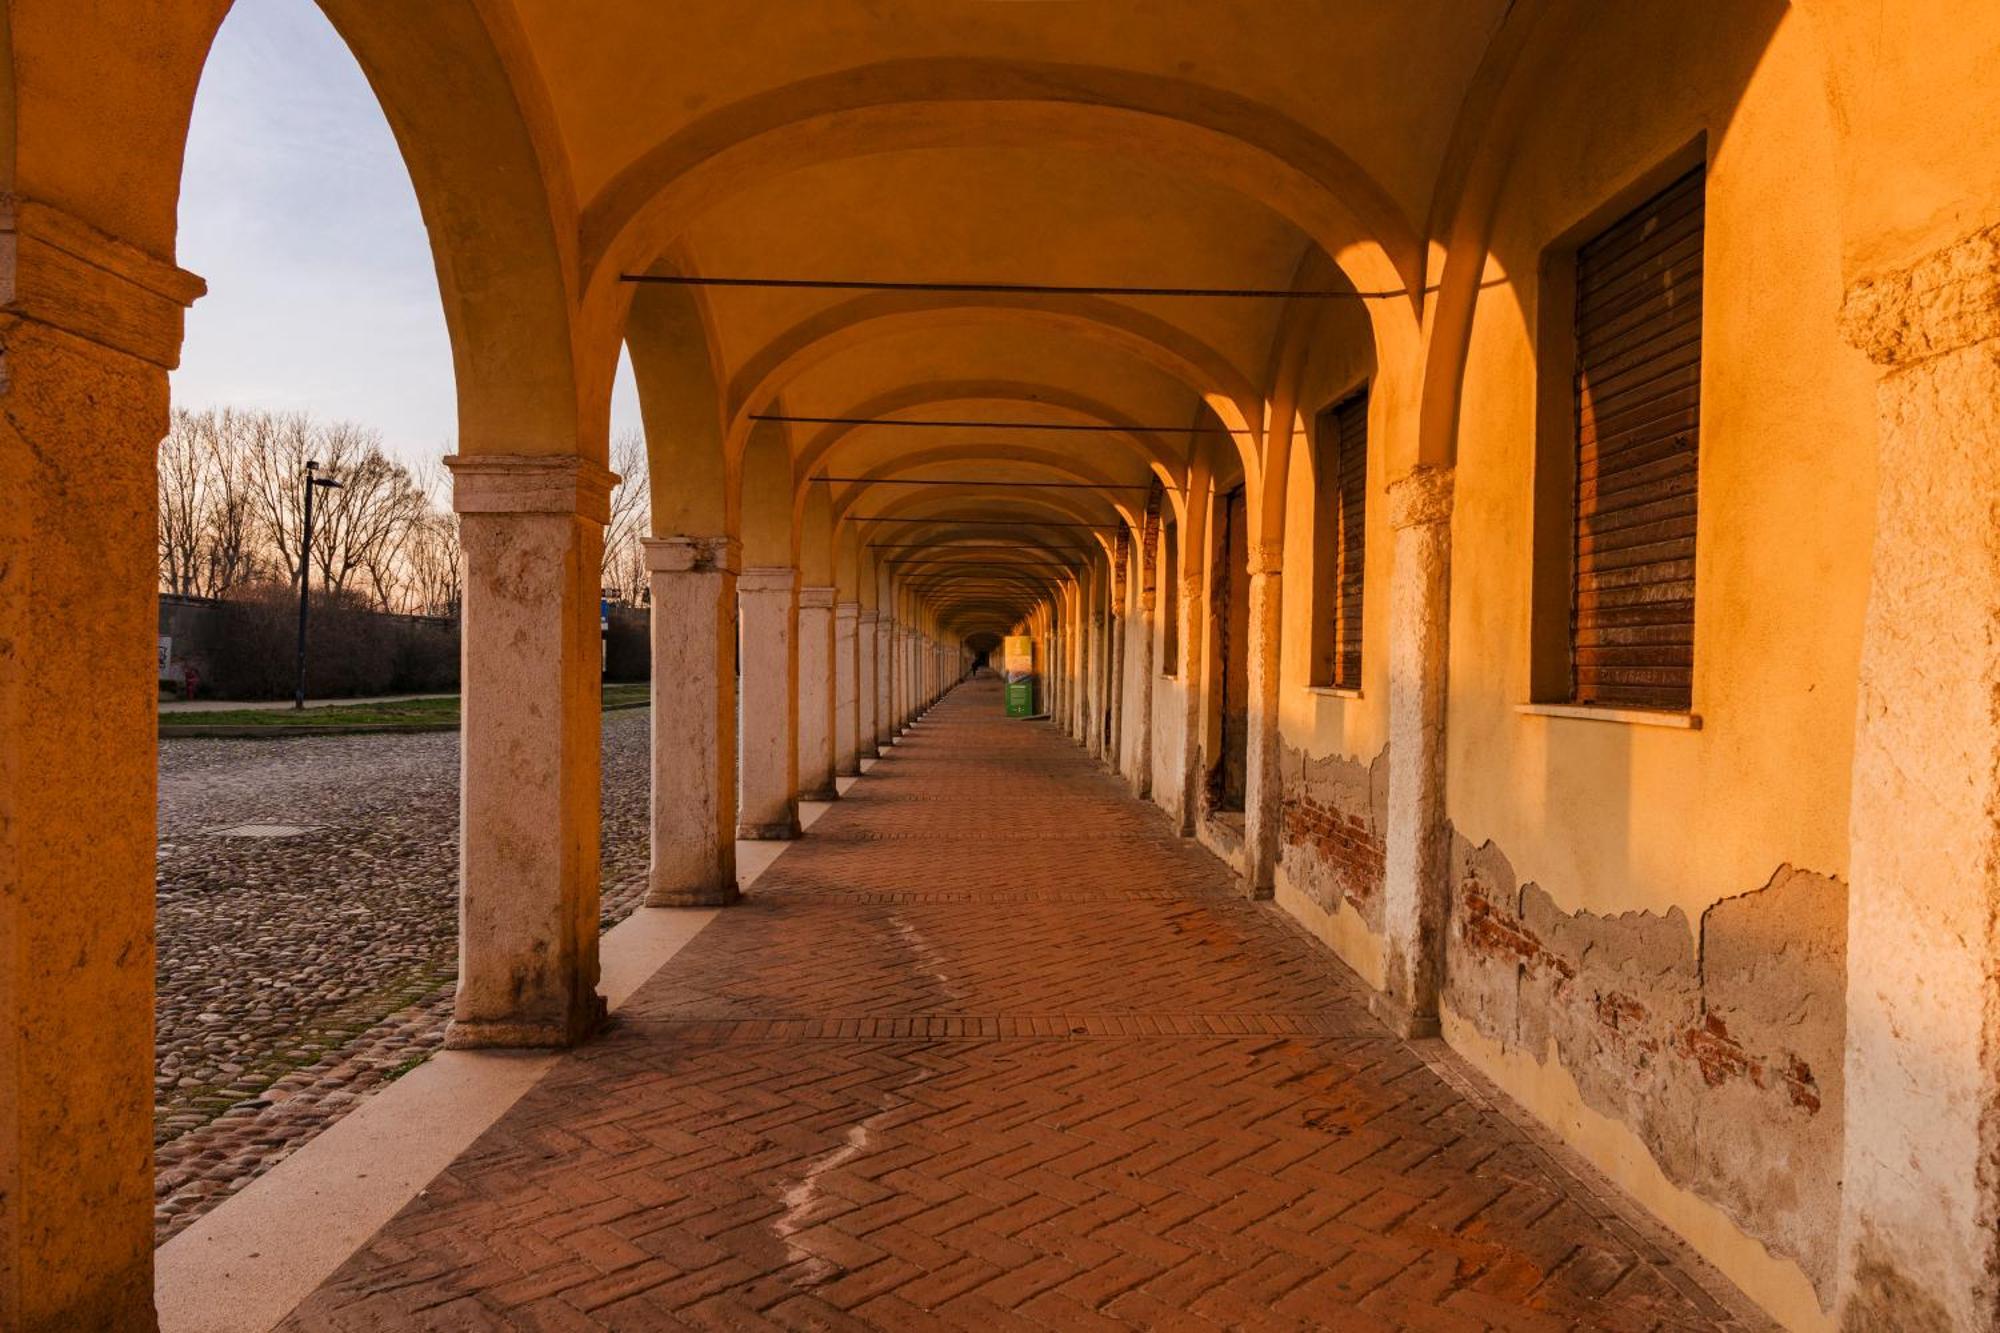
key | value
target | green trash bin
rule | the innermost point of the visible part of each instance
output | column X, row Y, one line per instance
column 1019, row 662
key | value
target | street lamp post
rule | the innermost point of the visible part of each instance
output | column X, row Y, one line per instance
column 305, row 575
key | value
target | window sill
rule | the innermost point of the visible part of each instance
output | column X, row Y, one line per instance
column 1635, row 717
column 1333, row 691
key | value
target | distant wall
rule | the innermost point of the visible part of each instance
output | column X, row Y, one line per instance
column 248, row 648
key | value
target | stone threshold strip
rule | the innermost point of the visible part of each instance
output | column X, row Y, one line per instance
column 1008, row 1027
column 996, row 897
column 260, row 1251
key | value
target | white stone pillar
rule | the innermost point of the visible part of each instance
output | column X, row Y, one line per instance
column 1414, row 891
column 532, row 533
column 1079, row 728
column 90, row 327
column 1141, row 720
column 1920, row 1190
column 816, row 680
column 1188, row 766
column 866, row 643
column 905, row 688
column 1261, row 792
column 885, row 682
column 767, row 599
column 846, row 689
column 1114, row 745
column 694, row 721
column 1100, row 680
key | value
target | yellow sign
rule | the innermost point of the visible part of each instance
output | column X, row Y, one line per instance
column 1020, row 655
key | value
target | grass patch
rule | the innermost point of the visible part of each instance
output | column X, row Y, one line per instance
column 437, row 710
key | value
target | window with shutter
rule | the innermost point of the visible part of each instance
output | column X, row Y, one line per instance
column 1340, row 517
column 1637, row 393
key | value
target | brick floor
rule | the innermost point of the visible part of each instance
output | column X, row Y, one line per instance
column 992, row 1049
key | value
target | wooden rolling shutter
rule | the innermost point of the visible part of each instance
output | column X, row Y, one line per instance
column 1350, row 420
column 1638, row 405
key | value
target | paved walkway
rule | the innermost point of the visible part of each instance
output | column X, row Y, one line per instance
column 991, row 1049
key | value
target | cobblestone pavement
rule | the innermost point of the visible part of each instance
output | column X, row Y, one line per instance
column 297, row 973
column 991, row 1049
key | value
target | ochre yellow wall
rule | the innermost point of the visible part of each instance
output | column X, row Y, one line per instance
column 1316, row 722
column 1613, row 817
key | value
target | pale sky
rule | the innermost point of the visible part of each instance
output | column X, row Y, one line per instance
column 296, row 208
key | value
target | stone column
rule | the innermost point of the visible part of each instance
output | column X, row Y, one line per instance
column 694, row 721
column 1419, row 622
column 1193, row 615
column 1142, row 703
column 532, row 533
column 866, row 640
column 1920, row 1224
column 1099, row 679
column 1114, row 746
column 90, row 327
column 906, row 692
column 1089, row 636
column 815, row 728
column 885, row 682
column 1261, row 794
column 767, row 600
column 846, row 689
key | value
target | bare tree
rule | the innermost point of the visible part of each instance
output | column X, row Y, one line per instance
column 232, row 490
column 359, row 528
column 207, row 542
column 182, row 458
column 430, row 565
column 624, row 572
column 277, row 447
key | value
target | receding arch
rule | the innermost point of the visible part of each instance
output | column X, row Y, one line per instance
column 965, row 101
column 1162, row 459
column 1163, row 346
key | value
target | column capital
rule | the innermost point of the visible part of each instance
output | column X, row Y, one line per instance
column 1420, row 497
column 847, row 610
column 1947, row 300
column 816, row 596
column 692, row 555
column 870, row 617
column 768, row 578
column 58, row 270
column 1265, row 558
column 530, row 484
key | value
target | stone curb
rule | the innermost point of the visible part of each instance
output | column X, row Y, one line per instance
column 251, row 731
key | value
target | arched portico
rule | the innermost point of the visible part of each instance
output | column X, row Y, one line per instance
column 1061, row 318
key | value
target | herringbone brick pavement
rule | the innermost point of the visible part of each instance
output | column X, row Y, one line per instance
column 992, row 1049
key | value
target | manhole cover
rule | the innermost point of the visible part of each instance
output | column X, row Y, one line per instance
column 264, row 830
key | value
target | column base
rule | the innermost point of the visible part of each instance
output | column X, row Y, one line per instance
column 1399, row 1019
column 475, row 1034
column 783, row 831
column 851, row 770
column 695, row 895
column 827, row 793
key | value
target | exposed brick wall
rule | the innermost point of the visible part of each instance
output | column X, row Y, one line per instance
column 1332, row 812
column 1346, row 845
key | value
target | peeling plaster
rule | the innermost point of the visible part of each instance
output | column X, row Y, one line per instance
column 1717, row 1044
